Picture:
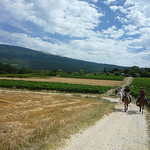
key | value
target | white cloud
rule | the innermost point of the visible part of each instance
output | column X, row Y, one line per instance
column 136, row 12
column 95, row 48
column 74, row 18
column 113, row 32
column 78, row 19
column 135, row 17
column 114, row 8
column 108, row 2
column 121, row 8
column 131, row 29
column 122, row 19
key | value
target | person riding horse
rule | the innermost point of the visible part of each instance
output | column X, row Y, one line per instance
column 127, row 90
column 117, row 89
column 120, row 94
column 142, row 92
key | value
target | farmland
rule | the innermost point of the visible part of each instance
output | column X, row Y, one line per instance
column 22, row 75
column 71, row 81
column 137, row 83
column 65, row 87
column 100, row 77
column 33, row 120
column 40, row 121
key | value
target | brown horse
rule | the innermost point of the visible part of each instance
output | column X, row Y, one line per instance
column 126, row 101
column 142, row 102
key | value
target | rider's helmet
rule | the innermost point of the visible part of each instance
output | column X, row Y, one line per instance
column 128, row 86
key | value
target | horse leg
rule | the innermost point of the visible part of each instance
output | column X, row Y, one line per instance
column 140, row 109
column 125, row 107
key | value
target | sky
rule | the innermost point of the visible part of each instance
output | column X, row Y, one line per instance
column 103, row 31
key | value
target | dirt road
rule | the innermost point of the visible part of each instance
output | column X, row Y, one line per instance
column 118, row 131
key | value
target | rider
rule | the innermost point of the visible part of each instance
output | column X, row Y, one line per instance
column 120, row 89
column 142, row 92
column 117, row 89
column 127, row 90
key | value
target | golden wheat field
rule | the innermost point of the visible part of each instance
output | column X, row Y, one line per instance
column 72, row 80
column 42, row 120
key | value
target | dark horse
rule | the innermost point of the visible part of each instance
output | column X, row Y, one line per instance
column 126, row 101
column 142, row 102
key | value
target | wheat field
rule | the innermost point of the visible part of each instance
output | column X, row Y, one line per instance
column 72, row 81
column 41, row 120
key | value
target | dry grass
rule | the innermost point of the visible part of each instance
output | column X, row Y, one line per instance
column 72, row 80
column 42, row 121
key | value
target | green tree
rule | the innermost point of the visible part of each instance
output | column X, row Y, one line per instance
column 105, row 70
column 81, row 72
column 53, row 72
column 115, row 70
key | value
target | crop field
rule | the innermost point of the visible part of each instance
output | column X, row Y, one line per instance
column 72, row 81
column 99, row 77
column 65, row 87
column 41, row 121
column 22, row 75
column 137, row 83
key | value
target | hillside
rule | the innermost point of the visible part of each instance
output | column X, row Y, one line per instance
column 32, row 59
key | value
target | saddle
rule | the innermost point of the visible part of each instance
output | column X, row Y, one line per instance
column 142, row 100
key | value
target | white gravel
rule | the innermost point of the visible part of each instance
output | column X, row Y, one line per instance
column 118, row 131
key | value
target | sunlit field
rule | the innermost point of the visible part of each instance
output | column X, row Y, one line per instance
column 39, row 120
column 72, row 81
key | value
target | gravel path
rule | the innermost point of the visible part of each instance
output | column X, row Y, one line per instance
column 118, row 131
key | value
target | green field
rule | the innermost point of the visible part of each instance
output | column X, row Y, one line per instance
column 65, row 87
column 23, row 75
column 136, row 85
column 100, row 77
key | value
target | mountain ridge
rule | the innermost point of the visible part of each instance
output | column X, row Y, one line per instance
column 37, row 60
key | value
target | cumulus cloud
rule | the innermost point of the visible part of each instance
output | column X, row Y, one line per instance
column 136, row 19
column 79, row 22
column 136, row 12
column 73, row 18
column 108, row 2
column 95, row 48
column 120, row 8
column 113, row 32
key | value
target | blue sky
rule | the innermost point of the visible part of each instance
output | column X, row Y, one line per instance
column 102, row 31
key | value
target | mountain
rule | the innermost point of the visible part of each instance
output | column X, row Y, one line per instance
column 32, row 59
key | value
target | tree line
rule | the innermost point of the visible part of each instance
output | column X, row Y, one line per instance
column 134, row 71
column 7, row 69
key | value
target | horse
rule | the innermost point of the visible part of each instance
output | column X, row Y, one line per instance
column 142, row 102
column 120, row 95
column 116, row 90
column 126, row 101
